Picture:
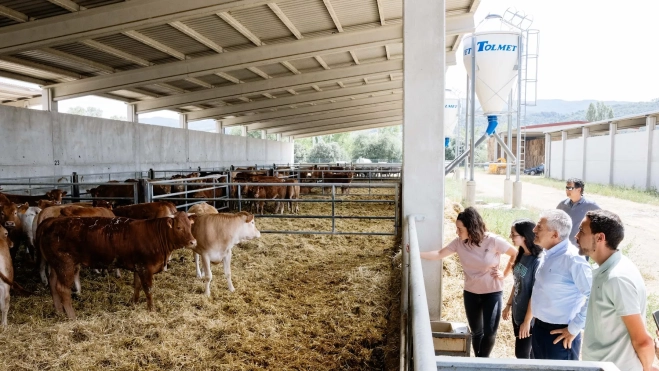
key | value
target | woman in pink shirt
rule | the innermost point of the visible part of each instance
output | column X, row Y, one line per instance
column 480, row 255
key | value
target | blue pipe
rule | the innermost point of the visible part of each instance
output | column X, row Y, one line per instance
column 446, row 142
column 492, row 123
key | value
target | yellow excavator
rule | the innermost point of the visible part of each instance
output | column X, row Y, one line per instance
column 498, row 167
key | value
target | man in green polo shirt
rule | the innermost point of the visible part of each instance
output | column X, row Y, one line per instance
column 615, row 321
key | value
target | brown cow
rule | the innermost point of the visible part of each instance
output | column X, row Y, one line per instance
column 54, row 195
column 149, row 210
column 141, row 246
column 293, row 193
column 7, row 270
column 87, row 212
column 339, row 178
column 216, row 235
column 12, row 222
column 114, row 190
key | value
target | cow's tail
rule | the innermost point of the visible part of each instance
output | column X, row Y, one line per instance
column 19, row 289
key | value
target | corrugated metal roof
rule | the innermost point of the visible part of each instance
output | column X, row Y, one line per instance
column 37, row 9
column 11, row 67
column 307, row 15
column 175, row 39
column 262, row 22
column 354, row 12
column 370, row 53
column 86, row 52
column 134, row 47
column 96, row 3
column 458, row 6
column 55, row 61
column 338, row 58
column 217, row 30
column 392, row 9
column 276, row 69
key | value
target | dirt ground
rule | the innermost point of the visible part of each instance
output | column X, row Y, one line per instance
column 638, row 218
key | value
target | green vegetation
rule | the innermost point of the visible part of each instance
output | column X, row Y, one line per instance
column 598, row 112
column 85, row 111
column 384, row 144
column 626, row 193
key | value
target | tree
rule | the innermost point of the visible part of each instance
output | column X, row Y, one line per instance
column 117, row 117
column 326, row 152
column 235, row 130
column 300, row 152
column 599, row 112
column 86, row 111
column 254, row 134
column 386, row 147
column 591, row 114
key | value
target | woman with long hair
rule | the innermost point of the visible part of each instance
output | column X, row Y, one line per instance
column 480, row 256
column 519, row 302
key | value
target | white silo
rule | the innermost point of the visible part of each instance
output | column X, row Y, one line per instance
column 451, row 112
column 497, row 48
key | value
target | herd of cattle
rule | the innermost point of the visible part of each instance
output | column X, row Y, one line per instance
column 113, row 233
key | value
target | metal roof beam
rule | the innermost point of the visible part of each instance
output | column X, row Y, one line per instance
column 13, row 14
column 116, row 52
column 296, row 100
column 253, row 57
column 154, row 44
column 380, row 102
column 312, row 122
column 83, row 61
column 111, row 19
column 68, row 5
column 356, row 128
column 381, row 12
column 382, row 122
column 332, row 13
column 19, row 77
column 258, row 87
column 41, row 67
column 197, row 36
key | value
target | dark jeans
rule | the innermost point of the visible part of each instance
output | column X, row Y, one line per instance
column 522, row 346
column 544, row 347
column 483, row 314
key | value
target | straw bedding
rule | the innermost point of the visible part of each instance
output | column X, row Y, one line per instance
column 302, row 302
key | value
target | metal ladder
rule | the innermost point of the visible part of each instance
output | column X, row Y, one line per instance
column 522, row 151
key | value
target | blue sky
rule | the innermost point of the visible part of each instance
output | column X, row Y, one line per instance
column 589, row 49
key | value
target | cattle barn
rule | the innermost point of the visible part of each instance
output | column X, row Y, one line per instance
column 314, row 289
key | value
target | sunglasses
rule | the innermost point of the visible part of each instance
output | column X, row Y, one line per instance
column 569, row 188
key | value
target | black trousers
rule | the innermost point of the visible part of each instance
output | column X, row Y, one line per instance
column 483, row 314
column 544, row 347
column 522, row 346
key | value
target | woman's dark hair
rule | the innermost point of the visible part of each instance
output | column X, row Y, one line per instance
column 474, row 224
column 524, row 228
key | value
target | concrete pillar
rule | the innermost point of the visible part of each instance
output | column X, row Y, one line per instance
column 263, row 135
column 183, row 121
column 131, row 113
column 563, row 141
column 517, row 195
column 613, row 128
column 585, row 132
column 508, row 191
column 547, row 154
column 457, row 173
column 496, row 149
column 471, row 193
column 278, row 137
column 47, row 101
column 219, row 127
column 243, row 131
column 424, row 47
column 650, row 124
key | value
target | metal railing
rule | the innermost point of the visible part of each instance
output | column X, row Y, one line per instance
column 74, row 194
column 190, row 187
column 417, row 350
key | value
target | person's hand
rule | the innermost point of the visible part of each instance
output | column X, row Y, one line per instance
column 525, row 329
column 563, row 334
column 496, row 273
column 407, row 247
column 506, row 313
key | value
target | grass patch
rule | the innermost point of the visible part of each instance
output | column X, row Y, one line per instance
column 652, row 305
column 626, row 193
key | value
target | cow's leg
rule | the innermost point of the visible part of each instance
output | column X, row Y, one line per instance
column 4, row 302
column 206, row 261
column 137, row 286
column 63, row 287
column 117, row 273
column 57, row 301
column 196, row 262
column 147, row 284
column 42, row 269
column 76, row 280
column 227, row 270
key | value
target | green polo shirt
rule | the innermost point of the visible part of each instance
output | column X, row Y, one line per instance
column 618, row 290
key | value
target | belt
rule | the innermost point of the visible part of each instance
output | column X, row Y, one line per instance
column 548, row 326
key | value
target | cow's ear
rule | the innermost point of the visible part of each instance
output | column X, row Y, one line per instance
column 170, row 222
column 192, row 217
column 249, row 218
column 64, row 193
column 48, row 194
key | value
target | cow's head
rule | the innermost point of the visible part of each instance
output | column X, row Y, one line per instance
column 56, row 195
column 9, row 216
column 103, row 203
column 45, row 203
column 180, row 229
column 247, row 230
column 4, row 238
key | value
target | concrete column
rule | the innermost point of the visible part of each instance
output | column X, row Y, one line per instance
column 424, row 47
column 278, row 137
column 508, row 190
column 517, row 195
column 131, row 113
column 496, row 149
column 585, row 132
column 47, row 101
column 263, row 136
column 547, row 154
column 563, row 141
column 470, row 199
column 650, row 124
column 613, row 128
column 219, row 127
column 243, row 131
column 183, row 121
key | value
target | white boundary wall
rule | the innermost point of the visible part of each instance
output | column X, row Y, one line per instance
column 40, row 143
column 628, row 163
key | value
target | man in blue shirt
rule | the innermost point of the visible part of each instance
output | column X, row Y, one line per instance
column 560, row 295
column 576, row 205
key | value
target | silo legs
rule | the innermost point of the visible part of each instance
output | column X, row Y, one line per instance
column 517, row 195
column 471, row 193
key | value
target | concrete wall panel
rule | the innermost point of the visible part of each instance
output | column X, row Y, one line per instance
column 204, row 147
column 573, row 158
column 654, row 168
column 234, row 148
column 256, row 150
column 25, row 138
column 556, row 164
column 598, row 152
column 629, row 166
